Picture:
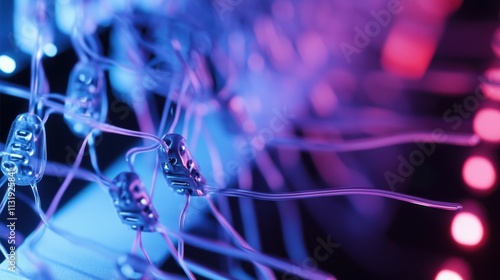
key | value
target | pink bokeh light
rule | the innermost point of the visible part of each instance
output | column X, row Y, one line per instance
column 479, row 173
column 486, row 124
column 495, row 44
column 454, row 268
column 467, row 229
column 491, row 85
column 408, row 54
column 323, row 99
column 447, row 274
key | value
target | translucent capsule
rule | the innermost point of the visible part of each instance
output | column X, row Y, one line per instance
column 133, row 203
column 25, row 152
column 130, row 267
column 179, row 167
column 86, row 96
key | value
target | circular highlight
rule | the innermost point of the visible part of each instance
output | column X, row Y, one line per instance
column 479, row 173
column 467, row 229
column 495, row 44
column 487, row 125
column 7, row 64
column 447, row 274
column 491, row 85
column 50, row 50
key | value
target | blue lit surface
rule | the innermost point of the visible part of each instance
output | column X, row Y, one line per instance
column 91, row 215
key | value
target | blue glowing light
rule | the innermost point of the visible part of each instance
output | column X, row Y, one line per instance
column 7, row 64
column 50, row 50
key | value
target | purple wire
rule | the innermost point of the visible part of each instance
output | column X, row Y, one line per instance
column 22, row 93
column 78, row 240
column 337, row 192
column 179, row 106
column 35, row 65
column 56, row 170
column 207, row 272
column 198, row 124
column 222, row 248
column 136, row 242
column 265, row 272
column 143, row 250
column 373, row 143
column 131, row 154
column 106, row 127
column 182, row 217
column 68, row 179
column 166, row 108
column 187, row 119
column 155, row 175
column 288, row 211
column 247, row 209
column 164, row 232
column 95, row 162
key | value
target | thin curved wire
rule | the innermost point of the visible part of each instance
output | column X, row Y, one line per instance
column 182, row 218
column 60, row 171
column 265, row 272
column 247, row 209
column 164, row 232
column 288, row 210
column 178, row 109
column 222, row 248
column 375, row 142
column 143, row 250
column 132, row 153
column 136, row 242
column 35, row 72
column 21, row 93
column 68, row 179
column 207, row 272
column 155, row 175
column 78, row 240
column 337, row 192
column 95, row 162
